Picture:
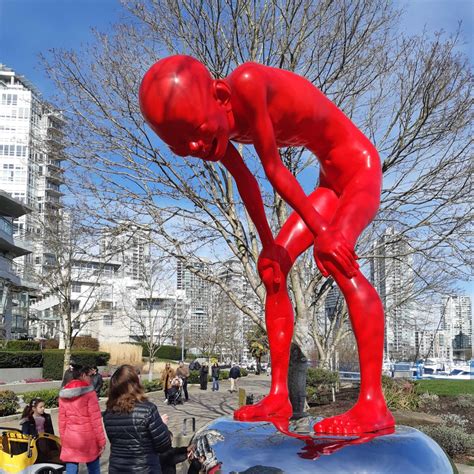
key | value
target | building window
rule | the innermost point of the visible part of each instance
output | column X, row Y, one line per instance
column 76, row 288
column 108, row 319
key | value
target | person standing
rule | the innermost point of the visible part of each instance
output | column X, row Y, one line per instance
column 203, row 373
column 136, row 431
column 234, row 374
column 80, row 424
column 183, row 372
column 215, row 372
column 167, row 376
column 96, row 380
column 67, row 377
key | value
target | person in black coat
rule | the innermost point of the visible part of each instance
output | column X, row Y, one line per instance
column 203, row 373
column 96, row 380
column 234, row 374
column 136, row 431
column 215, row 376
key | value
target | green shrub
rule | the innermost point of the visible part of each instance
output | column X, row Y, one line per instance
column 152, row 386
column 53, row 364
column 193, row 376
column 104, row 390
column 319, row 383
column 223, row 375
column 85, row 343
column 318, row 377
column 49, row 396
column 8, row 403
column 244, row 372
column 465, row 401
column 164, row 352
column 17, row 345
column 453, row 439
column 400, row 394
column 18, row 360
column 429, row 400
column 54, row 360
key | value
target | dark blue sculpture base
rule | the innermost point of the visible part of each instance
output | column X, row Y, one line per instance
column 261, row 448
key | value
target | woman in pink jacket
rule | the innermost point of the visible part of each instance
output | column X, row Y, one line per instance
column 80, row 424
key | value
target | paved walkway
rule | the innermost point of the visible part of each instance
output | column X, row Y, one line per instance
column 204, row 406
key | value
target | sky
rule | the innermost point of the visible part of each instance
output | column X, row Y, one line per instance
column 31, row 27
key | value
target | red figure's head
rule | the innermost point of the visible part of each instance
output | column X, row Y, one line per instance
column 186, row 107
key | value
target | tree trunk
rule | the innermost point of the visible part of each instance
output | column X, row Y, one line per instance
column 297, row 380
column 150, row 368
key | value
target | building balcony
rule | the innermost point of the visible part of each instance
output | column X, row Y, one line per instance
column 54, row 190
column 55, row 176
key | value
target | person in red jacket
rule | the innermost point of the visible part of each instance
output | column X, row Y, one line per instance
column 80, row 424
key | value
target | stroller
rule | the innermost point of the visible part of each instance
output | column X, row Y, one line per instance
column 175, row 393
column 21, row 453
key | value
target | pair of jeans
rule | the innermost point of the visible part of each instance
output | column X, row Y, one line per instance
column 215, row 383
column 93, row 467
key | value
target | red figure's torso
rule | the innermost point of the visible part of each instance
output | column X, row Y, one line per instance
column 301, row 116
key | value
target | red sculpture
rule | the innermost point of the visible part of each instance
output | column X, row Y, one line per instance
column 199, row 116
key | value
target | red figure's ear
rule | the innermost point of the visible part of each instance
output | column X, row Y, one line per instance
column 221, row 92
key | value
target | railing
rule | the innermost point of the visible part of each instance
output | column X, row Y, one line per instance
column 345, row 376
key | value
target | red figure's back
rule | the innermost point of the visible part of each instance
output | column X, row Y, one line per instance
column 272, row 108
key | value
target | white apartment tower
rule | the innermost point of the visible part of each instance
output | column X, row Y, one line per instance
column 31, row 152
column 457, row 323
column 198, row 295
column 392, row 275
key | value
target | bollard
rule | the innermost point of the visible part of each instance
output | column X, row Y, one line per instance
column 183, row 438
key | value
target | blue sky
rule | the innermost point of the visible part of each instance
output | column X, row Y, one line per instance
column 31, row 27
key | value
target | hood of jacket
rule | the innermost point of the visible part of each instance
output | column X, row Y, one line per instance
column 75, row 388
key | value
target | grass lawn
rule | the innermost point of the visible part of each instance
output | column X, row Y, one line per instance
column 445, row 387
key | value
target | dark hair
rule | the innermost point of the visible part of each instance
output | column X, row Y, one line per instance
column 28, row 410
column 79, row 371
column 125, row 390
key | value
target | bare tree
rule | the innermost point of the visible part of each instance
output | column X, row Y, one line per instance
column 72, row 278
column 150, row 312
column 410, row 95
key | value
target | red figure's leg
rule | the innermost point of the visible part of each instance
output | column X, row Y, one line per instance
column 370, row 413
column 294, row 238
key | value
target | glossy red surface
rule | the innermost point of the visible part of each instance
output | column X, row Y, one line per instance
column 196, row 115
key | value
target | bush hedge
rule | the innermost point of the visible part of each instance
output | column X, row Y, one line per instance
column 400, row 394
column 152, row 386
column 85, row 343
column 51, row 344
column 54, row 361
column 8, row 403
column 50, row 397
column 18, row 345
column 319, row 383
column 20, row 359
column 164, row 352
column 453, row 439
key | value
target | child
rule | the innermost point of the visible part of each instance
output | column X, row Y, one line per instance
column 34, row 420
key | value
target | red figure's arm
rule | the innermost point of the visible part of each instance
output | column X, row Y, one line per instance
column 249, row 192
column 281, row 178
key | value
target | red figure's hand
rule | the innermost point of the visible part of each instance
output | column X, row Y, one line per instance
column 273, row 264
column 330, row 247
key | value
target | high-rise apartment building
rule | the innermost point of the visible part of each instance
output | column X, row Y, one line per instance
column 14, row 292
column 31, row 152
column 129, row 245
column 457, row 323
column 198, row 295
column 392, row 275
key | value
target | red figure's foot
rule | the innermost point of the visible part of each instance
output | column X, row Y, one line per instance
column 270, row 406
column 363, row 417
